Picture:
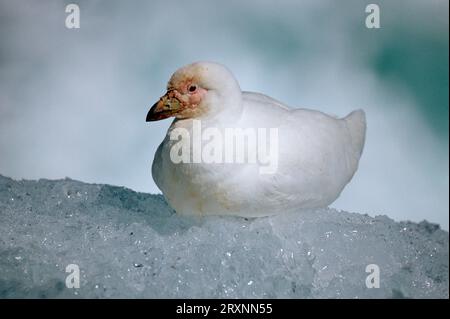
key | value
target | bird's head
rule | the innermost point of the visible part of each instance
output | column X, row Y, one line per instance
column 198, row 90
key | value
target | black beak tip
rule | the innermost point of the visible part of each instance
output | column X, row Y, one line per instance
column 151, row 113
column 149, row 116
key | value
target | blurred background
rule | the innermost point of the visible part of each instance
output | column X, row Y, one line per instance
column 73, row 101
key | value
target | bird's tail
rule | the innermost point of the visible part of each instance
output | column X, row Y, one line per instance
column 356, row 123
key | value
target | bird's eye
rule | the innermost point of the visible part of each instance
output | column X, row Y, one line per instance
column 192, row 88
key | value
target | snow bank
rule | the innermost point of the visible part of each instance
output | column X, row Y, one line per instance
column 129, row 245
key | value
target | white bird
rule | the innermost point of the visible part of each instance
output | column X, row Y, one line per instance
column 317, row 154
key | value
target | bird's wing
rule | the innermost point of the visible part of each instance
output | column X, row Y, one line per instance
column 261, row 98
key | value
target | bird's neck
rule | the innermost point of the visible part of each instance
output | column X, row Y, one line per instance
column 228, row 112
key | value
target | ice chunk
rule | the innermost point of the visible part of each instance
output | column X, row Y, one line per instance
column 130, row 245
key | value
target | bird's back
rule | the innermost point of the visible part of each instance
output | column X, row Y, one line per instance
column 356, row 124
column 318, row 153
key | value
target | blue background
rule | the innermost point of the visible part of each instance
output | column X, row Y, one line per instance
column 73, row 102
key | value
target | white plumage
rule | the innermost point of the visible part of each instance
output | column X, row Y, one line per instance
column 317, row 154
